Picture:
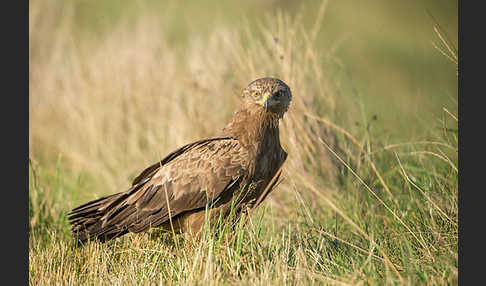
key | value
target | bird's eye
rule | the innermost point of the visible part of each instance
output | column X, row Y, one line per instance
column 278, row 94
column 256, row 94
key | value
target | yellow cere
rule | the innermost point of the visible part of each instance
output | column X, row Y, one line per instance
column 266, row 96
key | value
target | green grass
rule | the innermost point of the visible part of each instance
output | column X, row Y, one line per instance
column 369, row 190
column 346, row 236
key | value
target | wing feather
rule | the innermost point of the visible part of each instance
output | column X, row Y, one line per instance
column 185, row 180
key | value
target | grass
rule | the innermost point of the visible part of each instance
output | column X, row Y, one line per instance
column 356, row 204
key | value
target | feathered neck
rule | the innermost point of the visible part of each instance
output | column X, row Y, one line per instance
column 254, row 127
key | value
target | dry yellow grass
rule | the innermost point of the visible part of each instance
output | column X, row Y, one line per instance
column 113, row 106
column 346, row 213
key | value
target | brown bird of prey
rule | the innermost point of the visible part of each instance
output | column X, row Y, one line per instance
column 206, row 178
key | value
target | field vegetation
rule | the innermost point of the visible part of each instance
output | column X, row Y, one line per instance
column 369, row 190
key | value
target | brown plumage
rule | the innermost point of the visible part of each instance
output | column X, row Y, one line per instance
column 232, row 170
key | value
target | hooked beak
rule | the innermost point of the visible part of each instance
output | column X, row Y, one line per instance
column 266, row 100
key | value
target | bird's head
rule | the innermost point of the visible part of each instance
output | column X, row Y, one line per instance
column 271, row 94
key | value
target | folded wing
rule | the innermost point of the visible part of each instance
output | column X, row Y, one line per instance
column 185, row 180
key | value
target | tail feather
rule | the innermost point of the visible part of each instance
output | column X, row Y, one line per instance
column 87, row 221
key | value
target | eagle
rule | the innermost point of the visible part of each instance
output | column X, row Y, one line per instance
column 208, row 178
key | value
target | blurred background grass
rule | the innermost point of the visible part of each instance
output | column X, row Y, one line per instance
column 375, row 70
column 379, row 56
column 382, row 48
